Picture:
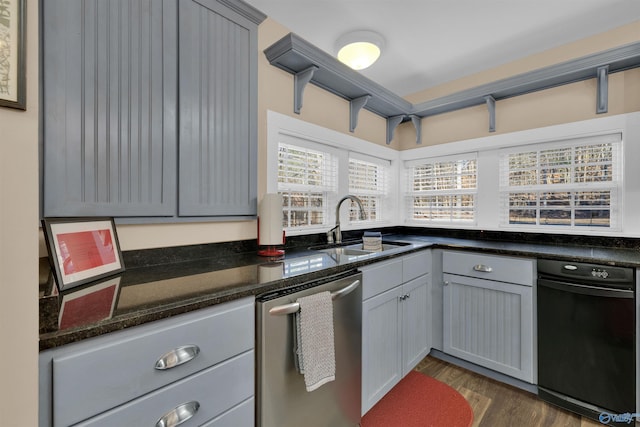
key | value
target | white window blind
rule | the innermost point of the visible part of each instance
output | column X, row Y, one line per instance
column 369, row 181
column 562, row 184
column 442, row 189
column 307, row 182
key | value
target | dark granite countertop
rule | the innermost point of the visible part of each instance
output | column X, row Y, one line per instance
column 622, row 257
column 174, row 285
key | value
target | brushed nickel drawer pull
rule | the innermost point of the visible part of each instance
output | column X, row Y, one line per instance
column 177, row 356
column 482, row 268
column 179, row 414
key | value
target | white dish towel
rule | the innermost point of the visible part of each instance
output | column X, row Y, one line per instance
column 313, row 340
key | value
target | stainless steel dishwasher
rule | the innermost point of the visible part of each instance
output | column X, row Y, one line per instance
column 281, row 396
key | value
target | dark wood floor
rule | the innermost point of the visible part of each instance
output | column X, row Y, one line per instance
column 496, row 405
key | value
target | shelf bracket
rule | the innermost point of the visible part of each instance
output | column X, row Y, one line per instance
column 300, row 81
column 355, row 105
column 491, row 105
column 417, row 123
column 392, row 124
column 603, row 90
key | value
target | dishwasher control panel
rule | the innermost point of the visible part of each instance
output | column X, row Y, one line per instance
column 587, row 272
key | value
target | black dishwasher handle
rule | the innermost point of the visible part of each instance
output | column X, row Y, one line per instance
column 590, row 290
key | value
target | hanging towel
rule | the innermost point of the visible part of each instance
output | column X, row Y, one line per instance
column 313, row 340
column 297, row 347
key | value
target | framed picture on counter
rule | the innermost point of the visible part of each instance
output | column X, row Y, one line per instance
column 82, row 250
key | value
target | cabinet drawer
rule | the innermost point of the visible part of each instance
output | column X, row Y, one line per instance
column 415, row 265
column 242, row 415
column 216, row 390
column 98, row 374
column 492, row 267
column 381, row 277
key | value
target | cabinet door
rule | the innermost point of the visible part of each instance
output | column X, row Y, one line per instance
column 489, row 323
column 109, row 107
column 415, row 323
column 381, row 346
column 218, row 93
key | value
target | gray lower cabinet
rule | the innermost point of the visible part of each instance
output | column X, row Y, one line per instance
column 381, row 346
column 198, row 365
column 415, row 322
column 488, row 312
column 149, row 108
column 395, row 322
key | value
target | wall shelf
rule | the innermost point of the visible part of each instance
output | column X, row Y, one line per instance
column 295, row 55
column 312, row 65
column 619, row 59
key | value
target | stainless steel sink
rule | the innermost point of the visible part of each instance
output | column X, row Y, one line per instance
column 356, row 250
column 346, row 254
column 385, row 247
column 346, row 251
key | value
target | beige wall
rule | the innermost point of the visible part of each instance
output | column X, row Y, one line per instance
column 559, row 105
column 563, row 104
column 626, row 34
column 19, row 248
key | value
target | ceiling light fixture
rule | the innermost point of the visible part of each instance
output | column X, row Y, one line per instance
column 359, row 49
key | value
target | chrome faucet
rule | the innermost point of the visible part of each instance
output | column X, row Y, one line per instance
column 335, row 235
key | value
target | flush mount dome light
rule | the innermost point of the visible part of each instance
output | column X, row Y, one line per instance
column 359, row 49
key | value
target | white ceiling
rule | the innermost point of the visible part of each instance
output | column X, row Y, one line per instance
column 429, row 42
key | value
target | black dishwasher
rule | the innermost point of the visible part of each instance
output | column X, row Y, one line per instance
column 586, row 337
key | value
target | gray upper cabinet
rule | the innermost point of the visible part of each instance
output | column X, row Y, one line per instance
column 118, row 140
column 218, row 96
column 109, row 109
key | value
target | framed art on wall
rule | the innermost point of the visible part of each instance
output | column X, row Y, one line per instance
column 12, row 54
column 82, row 250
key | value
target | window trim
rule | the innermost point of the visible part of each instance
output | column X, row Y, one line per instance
column 408, row 194
column 384, row 195
column 627, row 124
column 329, row 190
column 280, row 125
column 488, row 211
column 614, row 186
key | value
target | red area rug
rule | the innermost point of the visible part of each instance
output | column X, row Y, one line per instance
column 420, row 401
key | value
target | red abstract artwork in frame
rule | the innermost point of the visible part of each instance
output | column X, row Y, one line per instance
column 82, row 250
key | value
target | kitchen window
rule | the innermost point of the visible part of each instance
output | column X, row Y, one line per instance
column 313, row 176
column 308, row 184
column 571, row 184
column 369, row 181
column 442, row 189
